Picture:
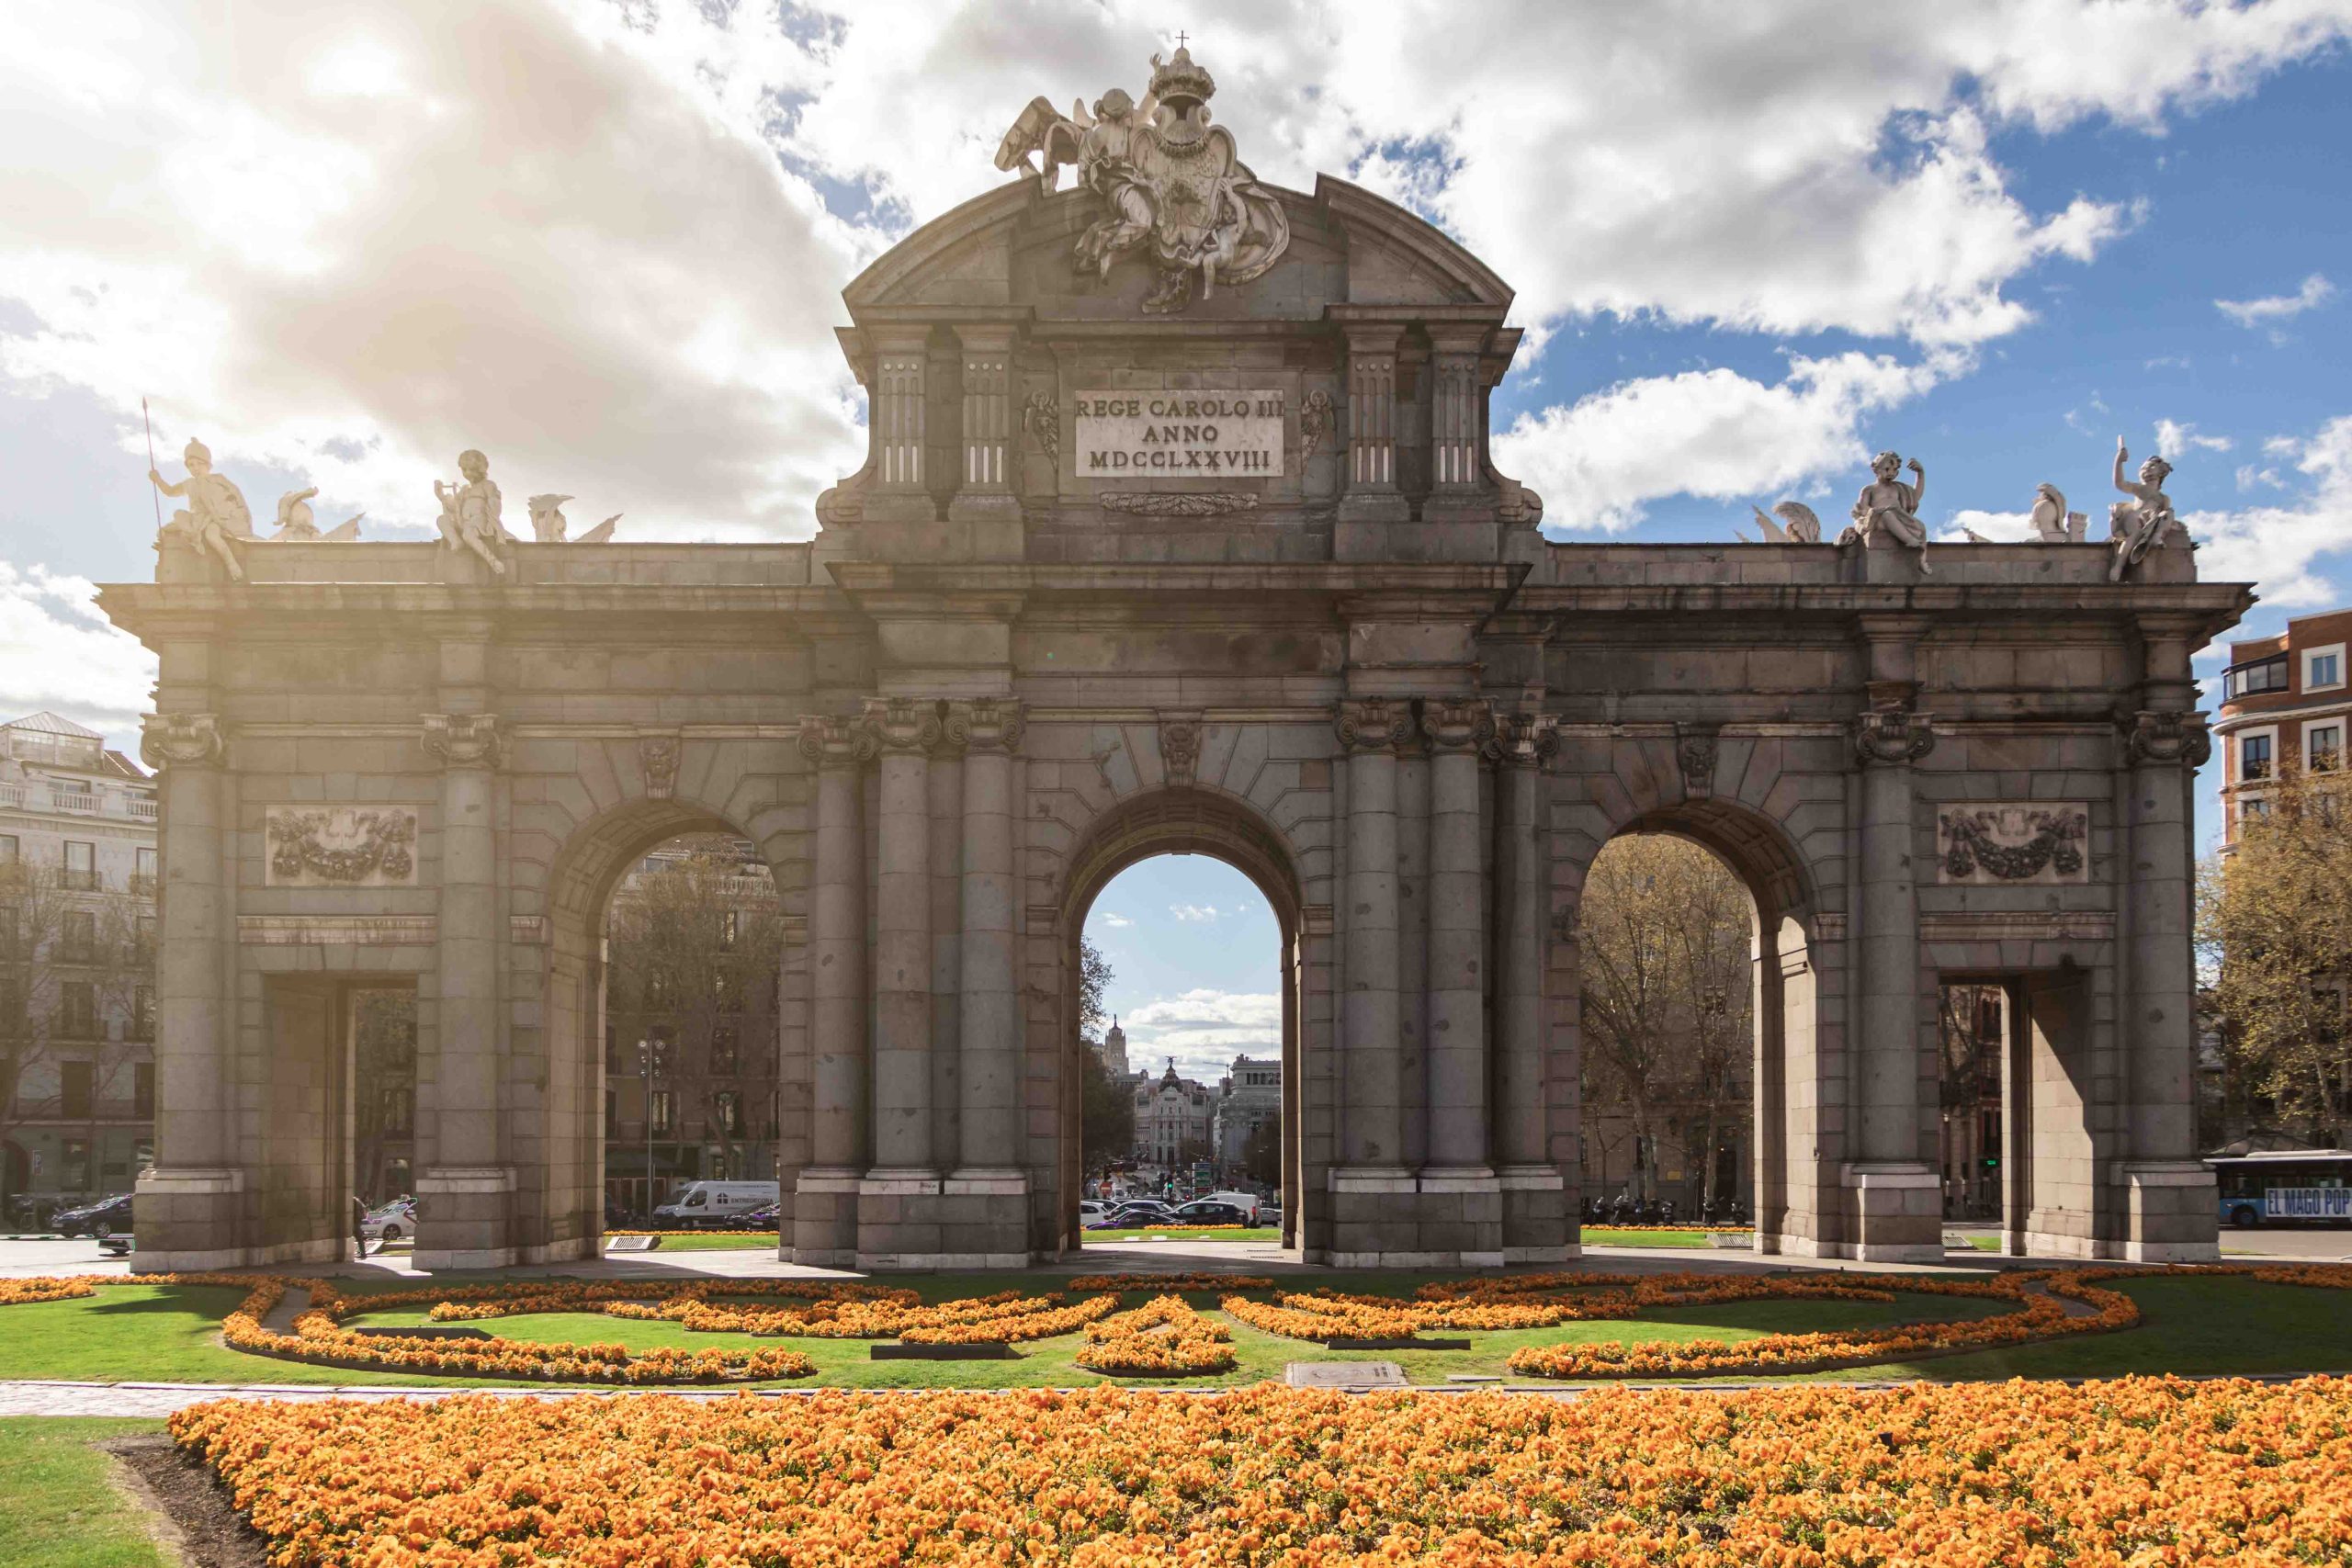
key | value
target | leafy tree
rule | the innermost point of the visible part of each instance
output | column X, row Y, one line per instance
column 383, row 1049
column 2274, row 930
column 1261, row 1152
column 1665, row 935
column 1107, row 1105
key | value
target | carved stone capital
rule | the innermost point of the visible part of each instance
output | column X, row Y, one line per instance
column 834, row 742
column 2155, row 739
column 1180, row 743
column 463, row 739
column 657, row 753
column 1457, row 724
column 1892, row 735
column 1694, row 753
column 903, row 724
column 985, row 724
column 181, row 741
column 1373, row 723
column 1523, row 740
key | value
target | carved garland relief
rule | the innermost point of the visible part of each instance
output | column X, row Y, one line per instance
column 343, row 846
column 1988, row 843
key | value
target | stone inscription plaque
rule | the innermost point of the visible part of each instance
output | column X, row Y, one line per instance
column 1134, row 434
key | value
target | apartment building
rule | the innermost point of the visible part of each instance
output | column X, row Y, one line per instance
column 78, row 880
column 2283, row 698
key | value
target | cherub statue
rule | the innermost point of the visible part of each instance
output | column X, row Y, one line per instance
column 2146, row 521
column 548, row 525
column 1888, row 505
column 1803, row 527
column 2052, row 523
column 216, row 512
column 470, row 511
column 297, row 523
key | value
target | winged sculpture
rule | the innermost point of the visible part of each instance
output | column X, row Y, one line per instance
column 1803, row 526
column 1170, row 183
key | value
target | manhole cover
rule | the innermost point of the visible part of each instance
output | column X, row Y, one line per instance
column 1344, row 1374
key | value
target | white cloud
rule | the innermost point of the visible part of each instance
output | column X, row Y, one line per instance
column 2314, row 292
column 2173, row 439
column 2248, row 476
column 2275, row 546
column 58, row 652
column 1708, row 432
column 1115, row 921
column 2002, row 526
column 1194, row 912
column 1205, row 1029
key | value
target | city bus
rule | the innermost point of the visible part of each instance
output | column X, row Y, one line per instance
column 2286, row 1186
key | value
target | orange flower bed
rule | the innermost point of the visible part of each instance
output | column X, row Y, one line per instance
column 1195, row 1282
column 50, row 1287
column 1164, row 1335
column 1603, row 1230
column 2135, row 1471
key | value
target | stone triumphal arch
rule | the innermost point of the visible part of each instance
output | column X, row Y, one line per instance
column 1179, row 530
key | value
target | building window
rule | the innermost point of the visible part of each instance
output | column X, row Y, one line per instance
column 2255, row 677
column 2323, row 668
column 399, row 1110
column 2253, row 809
column 730, row 927
column 612, row 1047
column 77, row 1011
column 730, row 1113
column 79, row 936
column 2253, row 757
column 612, row 1113
column 142, row 1090
column 143, row 1013
column 81, row 867
column 142, row 875
column 2324, row 748
column 142, row 938
column 77, row 1165
column 664, row 1112
column 723, row 1052
column 74, row 1090
column 8, row 849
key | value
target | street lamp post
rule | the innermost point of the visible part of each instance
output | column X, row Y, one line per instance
column 648, row 1055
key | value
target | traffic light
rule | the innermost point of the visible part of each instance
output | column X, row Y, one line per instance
column 1992, row 1162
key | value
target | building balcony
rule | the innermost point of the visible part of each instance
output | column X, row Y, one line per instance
column 38, row 798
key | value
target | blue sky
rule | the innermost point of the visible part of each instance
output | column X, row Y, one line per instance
column 604, row 239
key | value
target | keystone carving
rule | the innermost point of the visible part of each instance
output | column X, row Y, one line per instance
column 658, row 755
column 1892, row 735
column 2168, row 736
column 985, row 724
column 1317, row 416
column 1694, row 752
column 1373, row 723
column 1180, row 743
column 834, row 742
column 1177, row 504
column 1999, row 842
column 903, row 724
column 1454, row 724
column 1041, row 416
column 342, row 846
column 1523, row 740
column 463, row 739
column 181, row 739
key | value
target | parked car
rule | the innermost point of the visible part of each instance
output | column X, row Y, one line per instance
column 101, row 1218
column 767, row 1217
column 1209, row 1212
column 1090, row 1208
column 1140, row 1212
column 1247, row 1202
column 711, row 1205
column 395, row 1220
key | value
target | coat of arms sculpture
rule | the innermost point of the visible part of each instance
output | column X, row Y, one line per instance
column 1172, row 182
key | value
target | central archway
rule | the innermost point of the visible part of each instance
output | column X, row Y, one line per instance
column 1182, row 820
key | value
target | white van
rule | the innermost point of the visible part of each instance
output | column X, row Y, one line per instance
column 713, row 1205
column 1247, row 1202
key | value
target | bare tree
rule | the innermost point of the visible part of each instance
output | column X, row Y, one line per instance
column 76, row 987
column 1665, row 935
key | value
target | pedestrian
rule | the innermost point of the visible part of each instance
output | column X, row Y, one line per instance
column 358, row 1227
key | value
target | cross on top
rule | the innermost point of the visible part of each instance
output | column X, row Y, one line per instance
column 1181, row 38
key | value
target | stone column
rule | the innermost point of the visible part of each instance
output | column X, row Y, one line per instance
column 990, row 732
column 187, row 1214
column 2171, row 1215
column 1371, row 1145
column 898, row 412
column 1370, row 492
column 984, row 503
column 824, row 1213
column 1456, row 412
column 904, row 730
column 1535, row 1224
column 1899, row 1202
column 466, row 1198
column 1456, row 729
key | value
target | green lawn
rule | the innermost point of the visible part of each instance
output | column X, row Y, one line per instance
column 1187, row 1232
column 1637, row 1237
column 697, row 1241
column 57, row 1509
column 170, row 1334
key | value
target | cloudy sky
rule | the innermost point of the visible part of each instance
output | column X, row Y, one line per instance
column 604, row 239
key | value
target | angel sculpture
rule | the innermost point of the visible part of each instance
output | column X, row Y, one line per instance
column 1889, row 506
column 297, row 524
column 1803, row 527
column 548, row 525
column 2145, row 522
column 2052, row 523
column 1172, row 182
column 216, row 515
column 470, row 511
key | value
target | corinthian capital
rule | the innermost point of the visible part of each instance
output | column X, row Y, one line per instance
column 181, row 739
column 834, row 742
column 1892, row 735
column 1523, row 740
column 1373, row 723
column 985, row 724
column 903, row 724
column 1457, row 724
column 2154, row 739
column 462, row 740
